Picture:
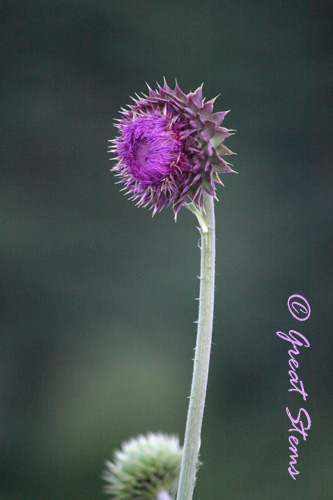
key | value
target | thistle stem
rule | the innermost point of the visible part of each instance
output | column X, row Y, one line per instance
column 202, row 353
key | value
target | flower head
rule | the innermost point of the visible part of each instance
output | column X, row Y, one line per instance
column 144, row 467
column 170, row 147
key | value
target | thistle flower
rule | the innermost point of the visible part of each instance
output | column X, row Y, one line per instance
column 144, row 467
column 170, row 147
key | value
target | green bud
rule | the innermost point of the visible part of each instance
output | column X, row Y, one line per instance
column 145, row 468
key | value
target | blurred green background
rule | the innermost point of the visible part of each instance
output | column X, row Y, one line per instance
column 98, row 297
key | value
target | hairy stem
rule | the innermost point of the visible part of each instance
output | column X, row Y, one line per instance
column 202, row 353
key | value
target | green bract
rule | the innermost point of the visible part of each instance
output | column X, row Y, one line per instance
column 144, row 466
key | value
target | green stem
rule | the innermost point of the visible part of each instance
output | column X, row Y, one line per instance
column 202, row 352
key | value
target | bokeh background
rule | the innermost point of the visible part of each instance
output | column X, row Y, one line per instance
column 98, row 304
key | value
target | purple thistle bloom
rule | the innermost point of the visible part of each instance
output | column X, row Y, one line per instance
column 170, row 147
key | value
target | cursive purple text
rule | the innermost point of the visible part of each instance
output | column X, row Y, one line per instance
column 300, row 310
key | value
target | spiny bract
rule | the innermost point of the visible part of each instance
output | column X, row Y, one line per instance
column 170, row 147
column 144, row 466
